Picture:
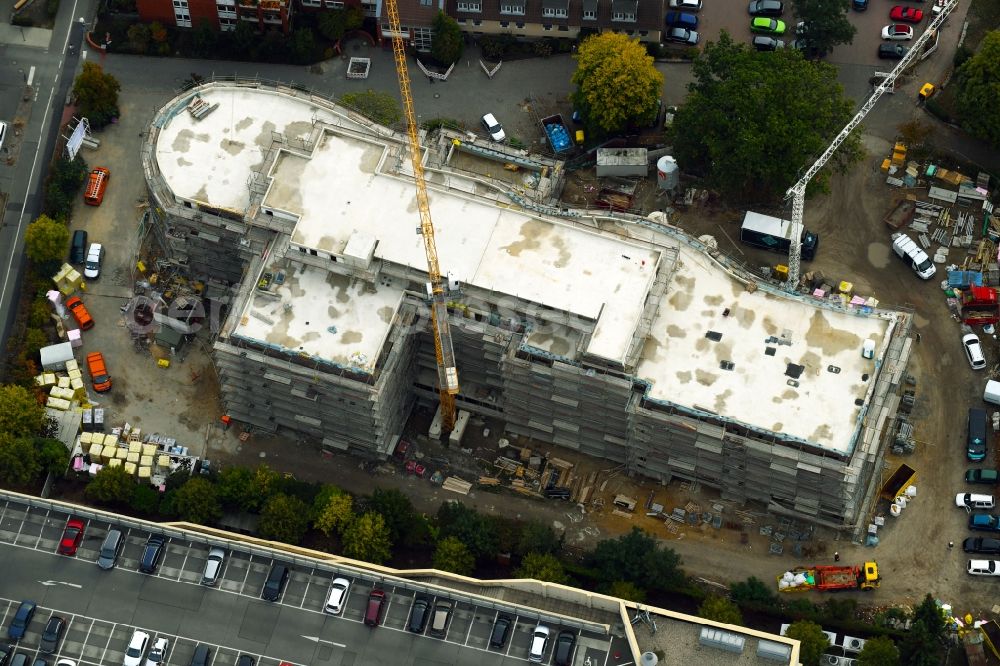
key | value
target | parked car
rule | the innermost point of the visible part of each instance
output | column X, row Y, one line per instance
column 151, row 553
column 493, row 127
column 72, row 536
column 562, row 653
column 111, row 549
column 984, row 567
column 681, row 36
column 859, row 5
column 213, row 567
column 687, row 5
column 892, row 51
column 440, row 617
column 275, row 583
column 200, row 656
column 158, row 653
column 78, row 247
column 373, row 611
column 92, row 267
column 98, row 372
column 765, row 43
column 539, row 641
column 20, row 659
column 974, row 351
column 981, row 545
column 80, row 313
column 767, row 26
column 419, row 612
column 22, row 619
column 39, row 661
column 987, row 476
column 5, row 652
column 681, row 20
column 908, row 14
column 897, row 32
column 136, row 648
column 245, row 660
column 766, row 8
column 984, row 522
column 501, row 631
column 974, row 501
column 52, row 634
column 338, row 595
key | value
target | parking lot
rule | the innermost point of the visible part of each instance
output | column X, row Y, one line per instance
column 102, row 608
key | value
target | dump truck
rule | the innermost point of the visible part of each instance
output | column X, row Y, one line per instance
column 557, row 134
column 904, row 477
column 979, row 306
column 830, row 578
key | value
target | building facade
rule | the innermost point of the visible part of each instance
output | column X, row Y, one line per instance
column 222, row 15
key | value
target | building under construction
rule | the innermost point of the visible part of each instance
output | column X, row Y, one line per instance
column 614, row 335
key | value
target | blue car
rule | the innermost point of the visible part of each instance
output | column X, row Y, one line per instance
column 22, row 618
column 984, row 522
column 682, row 20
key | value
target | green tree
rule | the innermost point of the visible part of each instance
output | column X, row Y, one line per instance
column 812, row 638
column 635, row 557
column 197, row 501
column 41, row 313
column 397, row 510
column 46, row 240
column 20, row 413
column 53, row 456
column 447, row 42
column 336, row 514
column 34, row 339
column 978, row 96
column 139, row 37
column 720, row 609
column 236, row 492
column 379, row 107
column 284, row 518
column 65, row 180
column 541, row 566
column 623, row 589
column 158, row 33
column 752, row 120
column 205, row 37
column 244, row 39
column 19, row 463
column 617, row 83
column 919, row 647
column 111, row 485
column 304, row 46
column 879, row 651
column 367, row 538
column 336, row 23
column 537, row 537
column 96, row 95
column 262, row 487
column 474, row 530
column 454, row 556
column 753, row 591
column 930, row 614
column 145, row 500
column 826, row 24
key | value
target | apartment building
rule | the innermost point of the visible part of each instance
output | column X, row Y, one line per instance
column 220, row 14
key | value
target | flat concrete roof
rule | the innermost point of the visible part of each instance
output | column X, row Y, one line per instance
column 683, row 363
column 322, row 314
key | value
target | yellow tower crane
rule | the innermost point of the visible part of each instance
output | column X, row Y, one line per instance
column 443, row 349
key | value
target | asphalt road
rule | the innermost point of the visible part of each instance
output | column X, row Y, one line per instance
column 103, row 608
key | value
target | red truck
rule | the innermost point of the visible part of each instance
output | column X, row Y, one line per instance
column 979, row 306
column 831, row 578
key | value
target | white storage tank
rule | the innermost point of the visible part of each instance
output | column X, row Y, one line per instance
column 668, row 174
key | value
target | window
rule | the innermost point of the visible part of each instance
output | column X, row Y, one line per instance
column 470, row 7
column 460, row 21
column 226, row 24
column 563, row 28
column 228, row 9
column 589, row 14
column 557, row 13
column 504, row 24
column 425, row 3
column 547, row 26
column 422, row 39
column 643, row 33
column 512, row 9
column 520, row 24
column 335, row 4
column 623, row 16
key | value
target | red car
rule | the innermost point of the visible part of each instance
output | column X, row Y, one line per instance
column 908, row 14
column 72, row 536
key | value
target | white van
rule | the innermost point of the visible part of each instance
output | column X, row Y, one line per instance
column 991, row 393
column 909, row 251
column 974, row 501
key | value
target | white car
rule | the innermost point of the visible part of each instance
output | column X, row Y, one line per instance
column 136, row 648
column 493, row 127
column 539, row 641
column 158, row 653
column 92, row 267
column 897, row 32
column 213, row 567
column 689, row 5
column 973, row 351
column 974, row 501
column 338, row 595
column 65, row 662
column 984, row 567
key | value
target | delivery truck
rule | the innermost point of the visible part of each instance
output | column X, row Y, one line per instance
column 831, row 578
column 775, row 234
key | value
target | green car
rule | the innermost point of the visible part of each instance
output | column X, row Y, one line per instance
column 767, row 26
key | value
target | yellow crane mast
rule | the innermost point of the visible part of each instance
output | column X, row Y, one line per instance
column 443, row 348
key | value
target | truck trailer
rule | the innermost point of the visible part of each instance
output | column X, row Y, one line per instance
column 831, row 578
column 775, row 234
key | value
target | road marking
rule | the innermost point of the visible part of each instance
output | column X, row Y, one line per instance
column 246, row 575
column 111, row 634
column 306, row 593
column 510, row 639
column 49, row 583
column 86, row 639
column 317, row 639
column 42, row 531
column 187, row 554
column 72, row 25
column 471, row 622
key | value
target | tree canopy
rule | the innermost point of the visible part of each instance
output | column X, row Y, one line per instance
column 96, row 94
column 197, row 501
column 720, row 609
column 826, row 24
column 752, row 120
column 19, row 464
column 20, row 413
column 235, row 489
column 334, row 513
column 53, row 456
column 46, row 240
column 377, row 106
column 284, row 518
column 617, row 83
column 397, row 510
column 978, row 95
column 879, row 651
column 812, row 638
column 635, row 557
column 367, row 538
column 541, row 566
column 334, row 24
column 454, row 556
column 111, row 485
column 473, row 529
column 447, row 43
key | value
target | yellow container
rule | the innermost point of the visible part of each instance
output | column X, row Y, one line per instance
column 163, row 363
column 781, row 272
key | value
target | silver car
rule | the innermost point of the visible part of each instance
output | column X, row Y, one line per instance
column 213, row 567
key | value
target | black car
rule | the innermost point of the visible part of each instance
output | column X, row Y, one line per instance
column 766, row 8
column 78, row 248
column 890, row 51
column 151, row 554
column 245, row 660
column 419, row 613
column 52, row 634
column 5, row 652
column 275, row 583
column 984, row 545
column 200, row 656
column 562, row 653
column 501, row 631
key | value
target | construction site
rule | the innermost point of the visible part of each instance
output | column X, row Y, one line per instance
column 614, row 335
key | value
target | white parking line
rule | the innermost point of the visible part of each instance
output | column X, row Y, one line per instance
column 471, row 622
column 45, row 522
column 306, row 593
column 246, row 575
column 187, row 554
column 21, row 526
column 510, row 641
column 86, row 639
column 111, row 633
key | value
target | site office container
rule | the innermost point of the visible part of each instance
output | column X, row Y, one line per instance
column 97, row 183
